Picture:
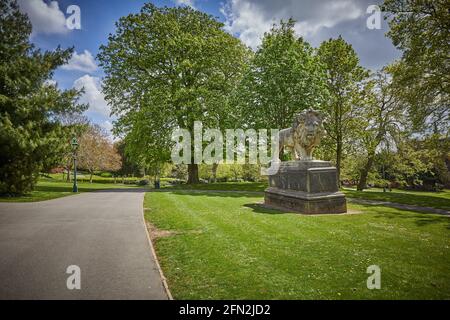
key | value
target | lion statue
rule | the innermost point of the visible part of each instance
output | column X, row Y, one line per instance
column 304, row 136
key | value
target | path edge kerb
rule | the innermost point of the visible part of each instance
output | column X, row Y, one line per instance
column 152, row 249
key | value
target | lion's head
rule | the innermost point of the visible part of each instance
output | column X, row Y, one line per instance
column 308, row 130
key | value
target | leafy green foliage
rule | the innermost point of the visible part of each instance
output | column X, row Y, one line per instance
column 381, row 119
column 129, row 167
column 421, row 29
column 166, row 68
column 284, row 78
column 343, row 78
column 30, row 132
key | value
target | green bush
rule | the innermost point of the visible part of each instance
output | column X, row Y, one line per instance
column 106, row 174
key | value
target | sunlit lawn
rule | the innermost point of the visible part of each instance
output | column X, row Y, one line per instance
column 227, row 186
column 47, row 189
column 226, row 246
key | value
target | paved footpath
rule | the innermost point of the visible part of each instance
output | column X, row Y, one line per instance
column 101, row 232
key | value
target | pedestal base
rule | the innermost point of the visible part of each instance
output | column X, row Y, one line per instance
column 307, row 203
column 308, row 187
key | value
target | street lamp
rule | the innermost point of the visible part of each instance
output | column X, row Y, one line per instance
column 74, row 144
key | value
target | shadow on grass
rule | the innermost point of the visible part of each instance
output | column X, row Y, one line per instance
column 261, row 208
column 404, row 198
column 419, row 218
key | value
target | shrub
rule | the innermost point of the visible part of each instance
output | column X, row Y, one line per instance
column 143, row 182
column 106, row 174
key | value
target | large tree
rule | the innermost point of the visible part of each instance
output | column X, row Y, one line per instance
column 381, row 119
column 166, row 68
column 344, row 76
column 30, row 131
column 421, row 29
column 284, row 78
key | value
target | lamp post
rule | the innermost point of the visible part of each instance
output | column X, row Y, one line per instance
column 74, row 144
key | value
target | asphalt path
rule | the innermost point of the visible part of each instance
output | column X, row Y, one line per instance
column 101, row 234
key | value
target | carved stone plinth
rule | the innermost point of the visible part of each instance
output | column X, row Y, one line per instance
column 308, row 187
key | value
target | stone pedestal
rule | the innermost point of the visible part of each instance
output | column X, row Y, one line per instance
column 308, row 187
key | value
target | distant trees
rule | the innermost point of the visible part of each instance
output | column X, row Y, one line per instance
column 420, row 163
column 128, row 167
column 166, row 68
column 96, row 152
column 30, row 133
column 381, row 119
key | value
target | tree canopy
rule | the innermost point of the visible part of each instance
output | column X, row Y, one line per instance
column 166, row 68
column 30, row 132
column 283, row 78
column 421, row 30
column 344, row 75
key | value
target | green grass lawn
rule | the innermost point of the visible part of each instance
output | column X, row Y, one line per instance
column 439, row 200
column 226, row 246
column 47, row 189
column 227, row 186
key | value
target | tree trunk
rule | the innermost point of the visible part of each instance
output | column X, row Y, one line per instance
column 338, row 161
column 214, row 172
column 193, row 173
column 362, row 184
column 90, row 178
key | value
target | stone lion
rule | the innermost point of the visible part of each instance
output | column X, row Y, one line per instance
column 304, row 136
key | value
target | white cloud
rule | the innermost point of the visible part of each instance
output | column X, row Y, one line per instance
column 81, row 62
column 45, row 17
column 92, row 94
column 249, row 19
column 189, row 3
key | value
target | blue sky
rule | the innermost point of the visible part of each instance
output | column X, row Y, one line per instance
column 246, row 19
